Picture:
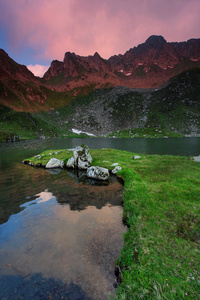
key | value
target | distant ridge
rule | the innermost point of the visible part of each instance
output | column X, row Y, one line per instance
column 147, row 66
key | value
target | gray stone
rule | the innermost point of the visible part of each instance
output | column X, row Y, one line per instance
column 81, row 158
column 116, row 169
column 71, row 163
column 196, row 158
column 137, row 157
column 114, row 165
column 54, row 163
column 83, row 163
column 98, row 173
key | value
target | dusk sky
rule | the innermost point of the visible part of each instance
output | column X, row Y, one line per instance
column 35, row 32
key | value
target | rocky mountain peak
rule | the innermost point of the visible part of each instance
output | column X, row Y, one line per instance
column 155, row 41
column 55, row 69
column 96, row 55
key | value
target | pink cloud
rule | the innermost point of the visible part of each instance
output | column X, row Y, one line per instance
column 52, row 27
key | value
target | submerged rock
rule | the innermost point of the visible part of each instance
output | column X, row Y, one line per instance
column 98, row 173
column 54, row 163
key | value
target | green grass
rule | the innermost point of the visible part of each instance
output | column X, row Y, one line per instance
column 161, row 208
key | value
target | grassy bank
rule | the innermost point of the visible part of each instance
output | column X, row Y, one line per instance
column 161, row 207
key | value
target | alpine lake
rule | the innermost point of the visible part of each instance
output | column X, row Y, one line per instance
column 60, row 234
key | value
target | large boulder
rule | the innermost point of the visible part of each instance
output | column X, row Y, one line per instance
column 98, row 173
column 54, row 163
column 81, row 158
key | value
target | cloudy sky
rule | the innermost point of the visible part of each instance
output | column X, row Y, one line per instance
column 34, row 32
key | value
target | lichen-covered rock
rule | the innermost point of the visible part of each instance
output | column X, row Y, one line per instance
column 98, row 173
column 54, row 163
column 71, row 163
column 116, row 169
column 83, row 163
column 81, row 158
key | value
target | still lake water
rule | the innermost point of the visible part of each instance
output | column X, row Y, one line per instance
column 60, row 235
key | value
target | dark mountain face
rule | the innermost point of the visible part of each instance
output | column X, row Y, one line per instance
column 19, row 88
column 9, row 68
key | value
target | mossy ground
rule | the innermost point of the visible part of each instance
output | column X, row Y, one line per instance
column 161, row 208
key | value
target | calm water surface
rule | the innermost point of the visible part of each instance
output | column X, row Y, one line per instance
column 60, row 235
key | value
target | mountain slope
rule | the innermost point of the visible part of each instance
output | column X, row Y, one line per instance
column 138, row 112
column 175, row 107
column 98, row 96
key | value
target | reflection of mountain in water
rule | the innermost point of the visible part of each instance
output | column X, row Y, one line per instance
column 22, row 183
column 38, row 287
column 79, row 192
column 60, row 236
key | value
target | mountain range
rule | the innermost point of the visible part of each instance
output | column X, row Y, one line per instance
column 146, row 66
column 149, row 86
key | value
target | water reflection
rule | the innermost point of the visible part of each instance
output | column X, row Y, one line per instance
column 38, row 287
column 21, row 181
column 70, row 233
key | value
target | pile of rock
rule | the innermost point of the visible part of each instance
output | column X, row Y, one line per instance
column 81, row 160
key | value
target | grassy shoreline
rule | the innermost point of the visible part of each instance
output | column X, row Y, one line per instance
column 161, row 207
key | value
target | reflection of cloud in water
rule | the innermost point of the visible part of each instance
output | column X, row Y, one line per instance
column 42, row 197
column 57, row 242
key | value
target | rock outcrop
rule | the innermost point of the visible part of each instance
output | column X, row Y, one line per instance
column 81, row 158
